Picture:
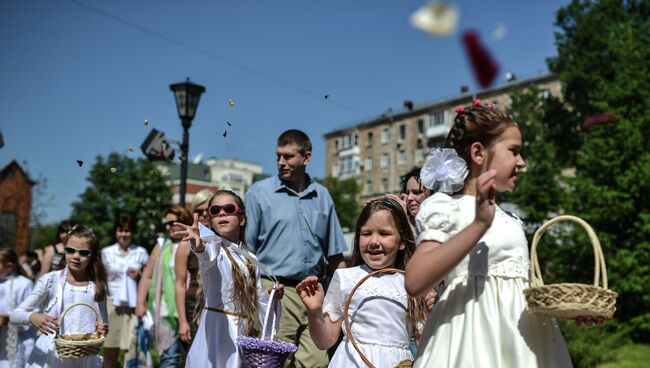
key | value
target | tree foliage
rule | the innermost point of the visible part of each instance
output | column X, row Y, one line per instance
column 344, row 194
column 119, row 184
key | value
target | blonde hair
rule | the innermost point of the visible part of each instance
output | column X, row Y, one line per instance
column 200, row 197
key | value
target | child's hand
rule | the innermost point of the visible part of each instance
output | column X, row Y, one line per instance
column 44, row 323
column 279, row 291
column 184, row 331
column 430, row 299
column 589, row 321
column 191, row 234
column 132, row 273
column 485, row 198
column 311, row 293
column 101, row 327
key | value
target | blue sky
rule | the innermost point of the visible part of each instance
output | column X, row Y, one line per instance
column 80, row 76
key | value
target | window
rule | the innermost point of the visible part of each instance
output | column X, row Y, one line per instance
column 369, row 187
column 369, row 164
column 384, row 160
column 385, row 136
column 356, row 139
column 436, row 119
column 8, row 228
column 337, row 144
column 369, row 143
column 384, row 185
column 401, row 157
column 402, row 132
column 419, row 155
column 420, row 126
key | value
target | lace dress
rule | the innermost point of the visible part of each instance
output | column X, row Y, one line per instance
column 480, row 319
column 16, row 342
column 378, row 317
column 78, row 320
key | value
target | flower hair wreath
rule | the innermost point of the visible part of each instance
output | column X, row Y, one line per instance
column 444, row 171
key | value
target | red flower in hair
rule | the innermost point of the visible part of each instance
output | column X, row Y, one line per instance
column 477, row 102
column 459, row 109
column 491, row 106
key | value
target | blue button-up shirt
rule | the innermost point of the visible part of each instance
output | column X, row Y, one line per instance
column 290, row 232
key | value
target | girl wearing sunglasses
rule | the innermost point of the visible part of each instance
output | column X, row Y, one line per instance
column 82, row 280
column 234, row 298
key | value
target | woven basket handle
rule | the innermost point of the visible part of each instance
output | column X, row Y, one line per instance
column 599, row 259
column 271, row 316
column 97, row 318
column 348, row 332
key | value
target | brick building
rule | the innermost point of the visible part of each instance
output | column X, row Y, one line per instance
column 377, row 152
column 15, row 207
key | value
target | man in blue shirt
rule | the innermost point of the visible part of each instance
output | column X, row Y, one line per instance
column 293, row 228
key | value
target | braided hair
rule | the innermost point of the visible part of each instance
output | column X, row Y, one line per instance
column 476, row 124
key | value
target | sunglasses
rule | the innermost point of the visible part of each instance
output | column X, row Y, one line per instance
column 229, row 209
column 82, row 252
column 202, row 211
column 171, row 223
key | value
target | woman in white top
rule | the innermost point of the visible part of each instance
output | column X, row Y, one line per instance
column 16, row 342
column 124, row 262
column 82, row 280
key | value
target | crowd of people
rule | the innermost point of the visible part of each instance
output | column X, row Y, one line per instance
column 457, row 302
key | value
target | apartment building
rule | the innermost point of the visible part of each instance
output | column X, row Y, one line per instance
column 377, row 152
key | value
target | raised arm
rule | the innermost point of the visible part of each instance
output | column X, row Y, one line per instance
column 432, row 261
column 323, row 331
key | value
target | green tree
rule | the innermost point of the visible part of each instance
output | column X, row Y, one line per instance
column 119, row 184
column 603, row 53
column 345, row 196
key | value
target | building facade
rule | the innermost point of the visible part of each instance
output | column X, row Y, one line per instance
column 214, row 174
column 15, row 207
column 377, row 152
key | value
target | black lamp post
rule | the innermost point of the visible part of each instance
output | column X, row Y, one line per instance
column 187, row 100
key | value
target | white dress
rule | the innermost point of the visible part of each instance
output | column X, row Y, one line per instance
column 80, row 319
column 214, row 345
column 480, row 319
column 13, row 290
column 378, row 317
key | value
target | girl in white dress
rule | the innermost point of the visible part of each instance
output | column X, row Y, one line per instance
column 82, row 280
column 234, row 298
column 480, row 252
column 382, row 316
column 16, row 341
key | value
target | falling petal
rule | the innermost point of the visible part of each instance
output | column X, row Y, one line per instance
column 113, row 170
column 598, row 119
column 146, row 122
column 182, row 158
column 225, row 133
column 80, row 163
column 131, row 149
column 231, row 102
column 484, row 67
column 436, row 18
column 499, row 32
column 227, row 122
column 326, row 96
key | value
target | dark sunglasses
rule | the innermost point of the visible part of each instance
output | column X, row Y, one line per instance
column 201, row 211
column 171, row 223
column 82, row 252
column 229, row 209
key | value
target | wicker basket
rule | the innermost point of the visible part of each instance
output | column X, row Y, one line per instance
column 348, row 333
column 568, row 300
column 266, row 352
column 78, row 345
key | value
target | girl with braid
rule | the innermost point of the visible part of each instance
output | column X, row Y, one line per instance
column 480, row 252
column 232, row 288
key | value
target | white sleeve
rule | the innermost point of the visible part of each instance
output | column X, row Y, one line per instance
column 33, row 302
column 438, row 218
column 333, row 303
column 208, row 258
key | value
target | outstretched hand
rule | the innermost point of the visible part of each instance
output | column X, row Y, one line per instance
column 191, row 234
column 311, row 293
column 485, row 198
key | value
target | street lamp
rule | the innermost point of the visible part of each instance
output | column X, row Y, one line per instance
column 187, row 100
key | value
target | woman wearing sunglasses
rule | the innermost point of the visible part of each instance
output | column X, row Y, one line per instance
column 82, row 280
column 188, row 288
column 234, row 299
column 157, row 288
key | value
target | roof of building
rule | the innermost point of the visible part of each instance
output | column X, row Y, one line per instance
column 418, row 108
column 13, row 165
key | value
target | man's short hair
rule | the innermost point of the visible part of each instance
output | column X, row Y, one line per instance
column 297, row 137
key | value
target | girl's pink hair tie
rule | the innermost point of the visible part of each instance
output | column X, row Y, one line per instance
column 477, row 102
column 459, row 109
